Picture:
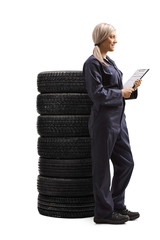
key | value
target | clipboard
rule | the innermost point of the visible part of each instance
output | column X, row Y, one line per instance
column 137, row 75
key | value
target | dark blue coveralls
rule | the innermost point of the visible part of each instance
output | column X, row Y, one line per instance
column 109, row 135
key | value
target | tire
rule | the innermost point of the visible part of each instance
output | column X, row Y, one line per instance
column 61, row 81
column 64, row 147
column 63, row 125
column 64, row 207
column 64, row 187
column 67, row 200
column 60, row 214
column 64, row 103
column 67, row 168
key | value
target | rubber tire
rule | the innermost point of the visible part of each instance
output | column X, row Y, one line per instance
column 64, row 147
column 63, row 125
column 64, row 187
column 65, row 168
column 86, row 202
column 65, row 207
column 64, row 103
column 67, row 200
column 61, row 81
column 66, row 214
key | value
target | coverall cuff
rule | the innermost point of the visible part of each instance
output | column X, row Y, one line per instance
column 119, row 96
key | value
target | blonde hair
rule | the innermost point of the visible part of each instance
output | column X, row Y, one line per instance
column 99, row 34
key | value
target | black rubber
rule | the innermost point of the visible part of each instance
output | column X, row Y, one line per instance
column 64, row 182
column 64, row 147
column 65, row 168
column 64, row 103
column 65, row 214
column 61, row 81
column 60, row 208
column 82, row 200
column 65, row 207
column 64, row 186
column 63, row 125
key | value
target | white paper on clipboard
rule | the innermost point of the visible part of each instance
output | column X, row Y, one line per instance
column 137, row 75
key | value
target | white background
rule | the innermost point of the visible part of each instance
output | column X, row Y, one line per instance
column 53, row 35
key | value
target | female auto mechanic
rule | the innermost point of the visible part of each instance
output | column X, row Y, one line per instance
column 108, row 130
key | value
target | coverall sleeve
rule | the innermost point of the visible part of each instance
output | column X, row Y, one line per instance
column 96, row 91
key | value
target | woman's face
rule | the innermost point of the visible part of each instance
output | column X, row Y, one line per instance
column 110, row 42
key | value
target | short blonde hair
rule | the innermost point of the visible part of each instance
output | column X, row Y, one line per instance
column 99, row 34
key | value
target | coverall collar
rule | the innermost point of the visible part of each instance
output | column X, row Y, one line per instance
column 118, row 71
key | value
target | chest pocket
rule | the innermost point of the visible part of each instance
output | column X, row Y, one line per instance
column 111, row 76
column 108, row 79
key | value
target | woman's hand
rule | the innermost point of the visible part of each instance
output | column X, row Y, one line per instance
column 126, row 92
column 137, row 83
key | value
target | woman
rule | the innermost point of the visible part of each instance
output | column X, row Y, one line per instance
column 108, row 130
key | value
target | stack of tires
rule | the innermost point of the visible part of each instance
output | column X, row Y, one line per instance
column 64, row 146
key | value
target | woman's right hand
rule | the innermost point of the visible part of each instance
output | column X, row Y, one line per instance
column 126, row 92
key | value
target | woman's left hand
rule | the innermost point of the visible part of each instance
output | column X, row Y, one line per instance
column 137, row 83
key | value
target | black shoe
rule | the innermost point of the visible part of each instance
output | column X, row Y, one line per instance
column 132, row 215
column 115, row 218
